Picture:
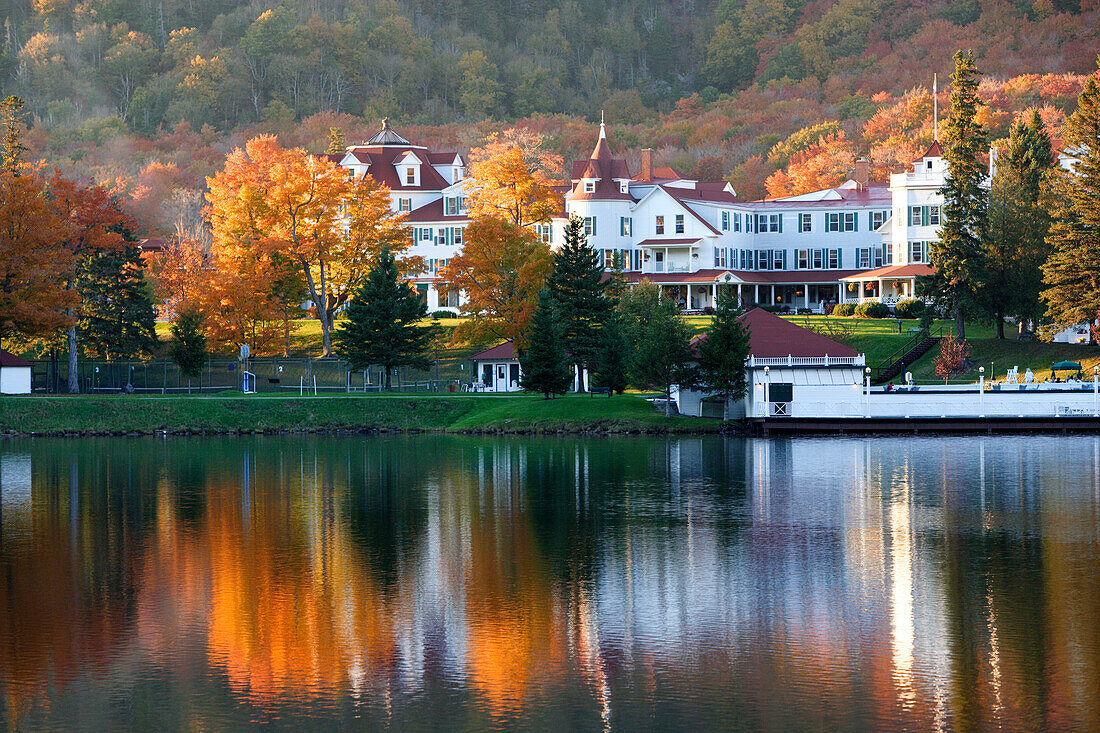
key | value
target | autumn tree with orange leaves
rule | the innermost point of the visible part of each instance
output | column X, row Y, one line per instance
column 96, row 226
column 512, row 177
column 34, row 267
column 824, row 164
column 501, row 269
column 271, row 204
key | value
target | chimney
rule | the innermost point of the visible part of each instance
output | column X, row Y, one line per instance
column 647, row 165
column 862, row 174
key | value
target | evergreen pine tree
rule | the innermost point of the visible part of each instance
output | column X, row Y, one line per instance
column 543, row 365
column 117, row 318
column 381, row 327
column 1072, row 274
column 336, row 144
column 188, row 347
column 957, row 255
column 722, row 354
column 11, row 117
column 1015, row 239
column 660, row 342
column 578, row 294
column 614, row 357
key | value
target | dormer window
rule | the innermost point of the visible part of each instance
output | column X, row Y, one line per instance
column 624, row 187
column 928, row 165
column 589, row 186
column 458, row 173
column 410, row 175
column 404, row 204
column 450, row 206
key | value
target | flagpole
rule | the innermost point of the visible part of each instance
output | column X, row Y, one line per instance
column 935, row 110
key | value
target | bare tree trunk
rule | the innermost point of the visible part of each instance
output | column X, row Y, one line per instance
column 668, row 402
column 960, row 325
column 389, row 372
column 1000, row 325
column 74, row 376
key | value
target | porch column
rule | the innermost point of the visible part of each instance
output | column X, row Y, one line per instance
column 756, row 298
column 714, row 295
column 772, row 301
column 841, row 290
column 739, row 301
column 806, row 294
column 881, row 289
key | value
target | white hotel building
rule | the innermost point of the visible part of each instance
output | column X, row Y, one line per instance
column 858, row 241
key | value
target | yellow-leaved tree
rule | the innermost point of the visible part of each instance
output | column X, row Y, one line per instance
column 272, row 205
column 501, row 269
column 512, row 177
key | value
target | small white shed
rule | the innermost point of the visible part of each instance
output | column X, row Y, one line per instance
column 497, row 369
column 15, row 374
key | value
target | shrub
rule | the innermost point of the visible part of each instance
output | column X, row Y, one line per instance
column 805, row 311
column 708, row 311
column 829, row 308
column 873, row 309
column 776, row 308
column 911, row 308
column 844, row 309
column 443, row 314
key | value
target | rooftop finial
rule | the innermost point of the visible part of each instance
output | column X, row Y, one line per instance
column 603, row 131
column 385, row 123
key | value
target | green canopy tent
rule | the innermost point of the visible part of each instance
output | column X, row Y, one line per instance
column 1063, row 366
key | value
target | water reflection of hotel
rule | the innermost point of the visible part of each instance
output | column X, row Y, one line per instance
column 703, row 568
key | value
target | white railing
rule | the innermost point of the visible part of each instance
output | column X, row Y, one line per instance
column 668, row 267
column 793, row 361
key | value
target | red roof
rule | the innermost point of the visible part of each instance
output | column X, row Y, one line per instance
column 381, row 160
column 603, row 166
column 771, row 336
column 892, row 271
column 668, row 242
column 8, row 359
column 934, row 151
column 506, row 350
column 433, row 212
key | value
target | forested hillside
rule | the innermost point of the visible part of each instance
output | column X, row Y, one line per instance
column 152, row 93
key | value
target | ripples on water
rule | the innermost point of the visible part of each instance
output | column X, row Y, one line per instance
column 472, row 583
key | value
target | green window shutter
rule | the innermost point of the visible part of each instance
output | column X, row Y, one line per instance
column 780, row 223
column 840, row 259
column 870, row 222
column 855, row 222
column 593, row 226
column 924, row 216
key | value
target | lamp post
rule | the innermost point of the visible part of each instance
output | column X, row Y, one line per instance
column 981, row 389
column 1095, row 373
column 867, row 392
column 767, row 370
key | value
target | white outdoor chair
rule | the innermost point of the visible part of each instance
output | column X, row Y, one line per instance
column 1013, row 375
column 1029, row 378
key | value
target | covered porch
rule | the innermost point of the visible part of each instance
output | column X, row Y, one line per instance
column 887, row 285
column 669, row 255
column 701, row 290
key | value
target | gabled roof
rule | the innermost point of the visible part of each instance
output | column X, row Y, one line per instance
column 408, row 158
column 603, row 166
column 8, row 359
column 934, row 151
column 771, row 336
column 506, row 350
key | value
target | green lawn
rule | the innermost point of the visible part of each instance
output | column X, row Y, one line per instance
column 233, row 413
column 998, row 355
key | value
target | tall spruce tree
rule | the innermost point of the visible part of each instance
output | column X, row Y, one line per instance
column 957, row 255
column 579, row 296
column 188, row 347
column 1015, row 247
column 117, row 318
column 1072, row 274
column 614, row 358
column 660, row 341
column 722, row 354
column 381, row 327
column 544, row 367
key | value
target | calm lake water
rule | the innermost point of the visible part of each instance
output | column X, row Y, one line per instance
column 447, row 582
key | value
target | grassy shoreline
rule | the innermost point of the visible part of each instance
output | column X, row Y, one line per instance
column 144, row 415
